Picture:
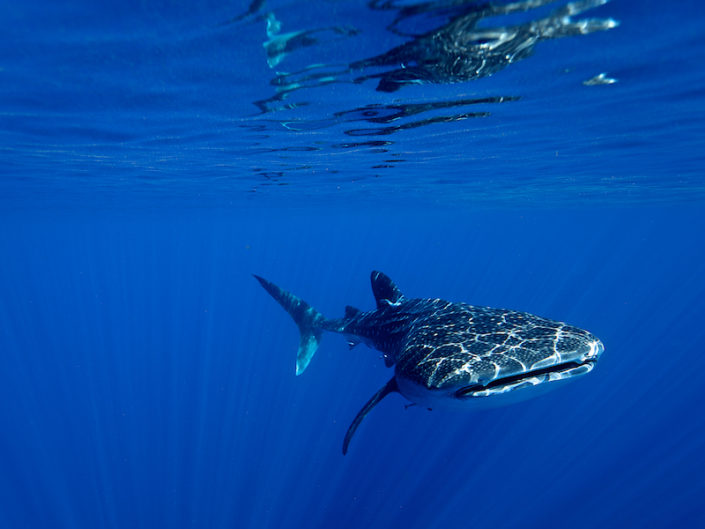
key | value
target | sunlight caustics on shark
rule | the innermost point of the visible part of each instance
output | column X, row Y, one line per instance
column 448, row 354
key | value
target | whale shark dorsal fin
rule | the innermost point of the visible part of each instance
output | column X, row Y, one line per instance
column 385, row 291
column 388, row 388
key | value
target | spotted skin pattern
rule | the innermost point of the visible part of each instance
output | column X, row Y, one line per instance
column 439, row 344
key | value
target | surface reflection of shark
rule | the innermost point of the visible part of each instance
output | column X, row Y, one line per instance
column 468, row 40
column 462, row 51
column 449, row 354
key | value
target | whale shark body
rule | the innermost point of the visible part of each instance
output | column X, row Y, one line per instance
column 449, row 354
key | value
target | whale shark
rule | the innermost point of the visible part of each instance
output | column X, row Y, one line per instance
column 447, row 354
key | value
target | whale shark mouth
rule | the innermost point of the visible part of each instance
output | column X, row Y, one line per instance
column 527, row 379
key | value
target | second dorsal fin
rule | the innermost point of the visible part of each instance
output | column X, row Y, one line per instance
column 385, row 291
column 351, row 312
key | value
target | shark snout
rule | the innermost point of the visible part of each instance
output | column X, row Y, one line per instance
column 581, row 347
column 592, row 350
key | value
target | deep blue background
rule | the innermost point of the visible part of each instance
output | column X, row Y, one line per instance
column 146, row 380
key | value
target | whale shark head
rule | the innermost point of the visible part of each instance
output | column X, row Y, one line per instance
column 575, row 353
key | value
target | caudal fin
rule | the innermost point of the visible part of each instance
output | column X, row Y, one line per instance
column 305, row 316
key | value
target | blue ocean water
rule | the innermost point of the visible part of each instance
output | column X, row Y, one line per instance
column 540, row 156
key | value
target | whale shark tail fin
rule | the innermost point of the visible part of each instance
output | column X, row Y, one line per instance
column 307, row 318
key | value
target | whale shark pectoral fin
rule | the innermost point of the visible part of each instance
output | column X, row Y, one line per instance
column 385, row 291
column 388, row 388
